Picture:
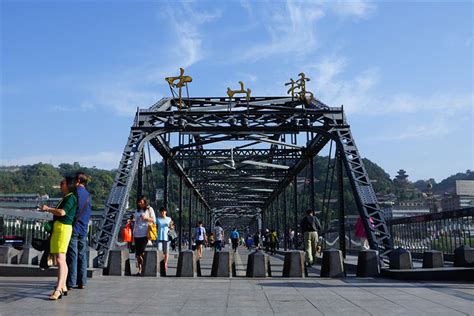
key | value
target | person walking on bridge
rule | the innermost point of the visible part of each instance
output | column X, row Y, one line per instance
column 143, row 216
column 310, row 226
column 234, row 237
column 164, row 225
column 201, row 238
column 219, row 236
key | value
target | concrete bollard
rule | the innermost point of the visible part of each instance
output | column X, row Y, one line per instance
column 150, row 263
column 92, row 259
column 333, row 264
column 258, row 265
column 368, row 263
column 433, row 259
column 400, row 259
column 464, row 256
column 186, row 264
column 293, row 266
column 222, row 264
column 118, row 263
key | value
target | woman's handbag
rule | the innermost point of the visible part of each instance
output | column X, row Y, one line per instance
column 127, row 233
column 151, row 232
column 172, row 234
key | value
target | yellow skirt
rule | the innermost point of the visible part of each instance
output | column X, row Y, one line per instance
column 60, row 237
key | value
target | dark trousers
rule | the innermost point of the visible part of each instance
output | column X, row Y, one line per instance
column 235, row 243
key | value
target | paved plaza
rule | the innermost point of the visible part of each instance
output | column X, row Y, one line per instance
column 237, row 295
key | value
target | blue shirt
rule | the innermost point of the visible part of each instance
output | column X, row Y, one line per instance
column 83, row 212
column 163, row 224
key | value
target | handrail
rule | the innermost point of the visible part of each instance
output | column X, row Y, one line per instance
column 433, row 216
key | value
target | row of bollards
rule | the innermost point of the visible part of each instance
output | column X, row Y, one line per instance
column 258, row 264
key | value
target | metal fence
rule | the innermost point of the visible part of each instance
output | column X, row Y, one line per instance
column 29, row 224
column 444, row 231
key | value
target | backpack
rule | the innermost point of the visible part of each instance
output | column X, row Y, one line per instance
column 233, row 235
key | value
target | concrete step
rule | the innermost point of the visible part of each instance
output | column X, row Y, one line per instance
column 433, row 274
column 26, row 270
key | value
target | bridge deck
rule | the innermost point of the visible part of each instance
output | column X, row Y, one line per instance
column 238, row 296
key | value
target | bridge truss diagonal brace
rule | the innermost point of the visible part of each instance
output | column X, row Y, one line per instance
column 372, row 216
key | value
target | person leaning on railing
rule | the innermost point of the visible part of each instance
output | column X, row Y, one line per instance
column 63, row 218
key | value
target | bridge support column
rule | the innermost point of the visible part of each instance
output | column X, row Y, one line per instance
column 180, row 235
column 295, row 205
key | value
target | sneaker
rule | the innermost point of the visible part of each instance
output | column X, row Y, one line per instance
column 81, row 287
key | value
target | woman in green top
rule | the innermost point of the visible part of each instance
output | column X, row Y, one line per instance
column 62, row 230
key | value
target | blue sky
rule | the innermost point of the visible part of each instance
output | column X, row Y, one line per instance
column 74, row 72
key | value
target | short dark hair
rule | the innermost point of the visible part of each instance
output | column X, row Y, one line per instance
column 309, row 211
column 218, row 223
column 163, row 209
column 81, row 177
column 200, row 223
column 70, row 183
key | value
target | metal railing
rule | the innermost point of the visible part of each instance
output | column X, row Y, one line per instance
column 444, row 231
column 29, row 224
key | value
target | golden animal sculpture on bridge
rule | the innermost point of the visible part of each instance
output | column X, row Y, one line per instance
column 182, row 81
column 299, row 85
column 247, row 92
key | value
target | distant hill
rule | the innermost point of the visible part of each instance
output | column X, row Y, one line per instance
column 42, row 178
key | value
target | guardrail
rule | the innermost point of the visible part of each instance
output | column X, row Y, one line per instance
column 444, row 231
column 28, row 224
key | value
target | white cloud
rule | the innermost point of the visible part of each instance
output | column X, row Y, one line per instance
column 292, row 26
column 103, row 159
column 139, row 85
column 359, row 94
column 353, row 8
column 291, row 29
column 438, row 127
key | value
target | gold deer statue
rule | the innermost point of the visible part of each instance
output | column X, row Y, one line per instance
column 182, row 81
column 247, row 92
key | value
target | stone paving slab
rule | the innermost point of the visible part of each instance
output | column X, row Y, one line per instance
column 109, row 295
column 237, row 296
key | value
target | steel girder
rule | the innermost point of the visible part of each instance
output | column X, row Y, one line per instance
column 220, row 177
